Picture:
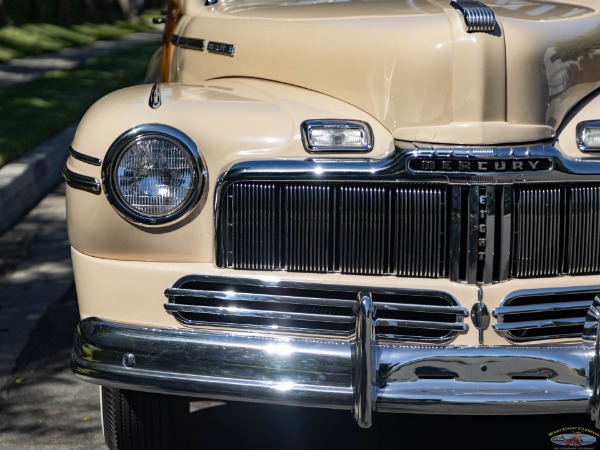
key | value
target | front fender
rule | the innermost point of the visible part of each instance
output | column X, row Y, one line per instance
column 229, row 120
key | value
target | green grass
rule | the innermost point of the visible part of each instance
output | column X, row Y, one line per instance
column 34, row 111
column 36, row 38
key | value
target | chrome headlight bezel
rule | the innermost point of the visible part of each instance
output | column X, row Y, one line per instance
column 581, row 129
column 124, row 143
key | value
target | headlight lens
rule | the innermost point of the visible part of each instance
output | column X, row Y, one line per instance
column 153, row 174
column 334, row 135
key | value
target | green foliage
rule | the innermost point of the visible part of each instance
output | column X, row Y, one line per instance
column 34, row 111
column 36, row 38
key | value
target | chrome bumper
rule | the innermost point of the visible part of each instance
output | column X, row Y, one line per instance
column 355, row 374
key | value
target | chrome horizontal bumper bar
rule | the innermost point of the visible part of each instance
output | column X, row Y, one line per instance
column 355, row 374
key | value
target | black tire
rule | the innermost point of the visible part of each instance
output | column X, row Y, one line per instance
column 140, row 420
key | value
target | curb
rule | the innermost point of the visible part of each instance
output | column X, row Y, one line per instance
column 25, row 181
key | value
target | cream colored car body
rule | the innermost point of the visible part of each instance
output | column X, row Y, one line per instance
column 410, row 69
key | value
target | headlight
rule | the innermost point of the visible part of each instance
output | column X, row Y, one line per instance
column 153, row 174
column 588, row 136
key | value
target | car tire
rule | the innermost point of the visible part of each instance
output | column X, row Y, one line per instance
column 141, row 420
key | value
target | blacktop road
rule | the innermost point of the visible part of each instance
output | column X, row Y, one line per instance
column 44, row 406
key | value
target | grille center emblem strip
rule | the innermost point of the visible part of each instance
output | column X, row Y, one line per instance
column 486, row 165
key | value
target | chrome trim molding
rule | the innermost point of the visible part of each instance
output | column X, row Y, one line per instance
column 298, row 308
column 306, row 126
column 365, row 366
column 84, row 158
column 188, row 43
column 322, row 373
column 478, row 16
column 480, row 315
column 590, row 327
column 566, row 313
column 155, row 101
column 81, row 182
column 580, row 130
column 395, row 167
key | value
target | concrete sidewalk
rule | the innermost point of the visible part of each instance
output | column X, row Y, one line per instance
column 25, row 181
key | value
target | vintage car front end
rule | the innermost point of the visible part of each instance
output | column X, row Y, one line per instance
column 391, row 207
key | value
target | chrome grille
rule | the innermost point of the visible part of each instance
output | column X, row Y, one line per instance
column 583, row 252
column 537, row 231
column 363, row 229
column 247, row 304
column 545, row 314
column 556, row 230
column 470, row 234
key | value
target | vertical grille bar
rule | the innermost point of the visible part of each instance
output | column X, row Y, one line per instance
column 456, row 232
column 502, row 244
column 489, row 230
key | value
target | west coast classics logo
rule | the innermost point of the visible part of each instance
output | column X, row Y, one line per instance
column 574, row 437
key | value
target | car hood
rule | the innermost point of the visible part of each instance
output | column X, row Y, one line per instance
column 411, row 64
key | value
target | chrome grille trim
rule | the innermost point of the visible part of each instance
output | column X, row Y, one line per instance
column 543, row 314
column 532, row 224
column 401, row 315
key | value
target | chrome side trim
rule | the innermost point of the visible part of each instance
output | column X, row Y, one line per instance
column 478, row 16
column 339, row 374
column 84, row 158
column 81, row 182
column 155, row 101
column 188, row 43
